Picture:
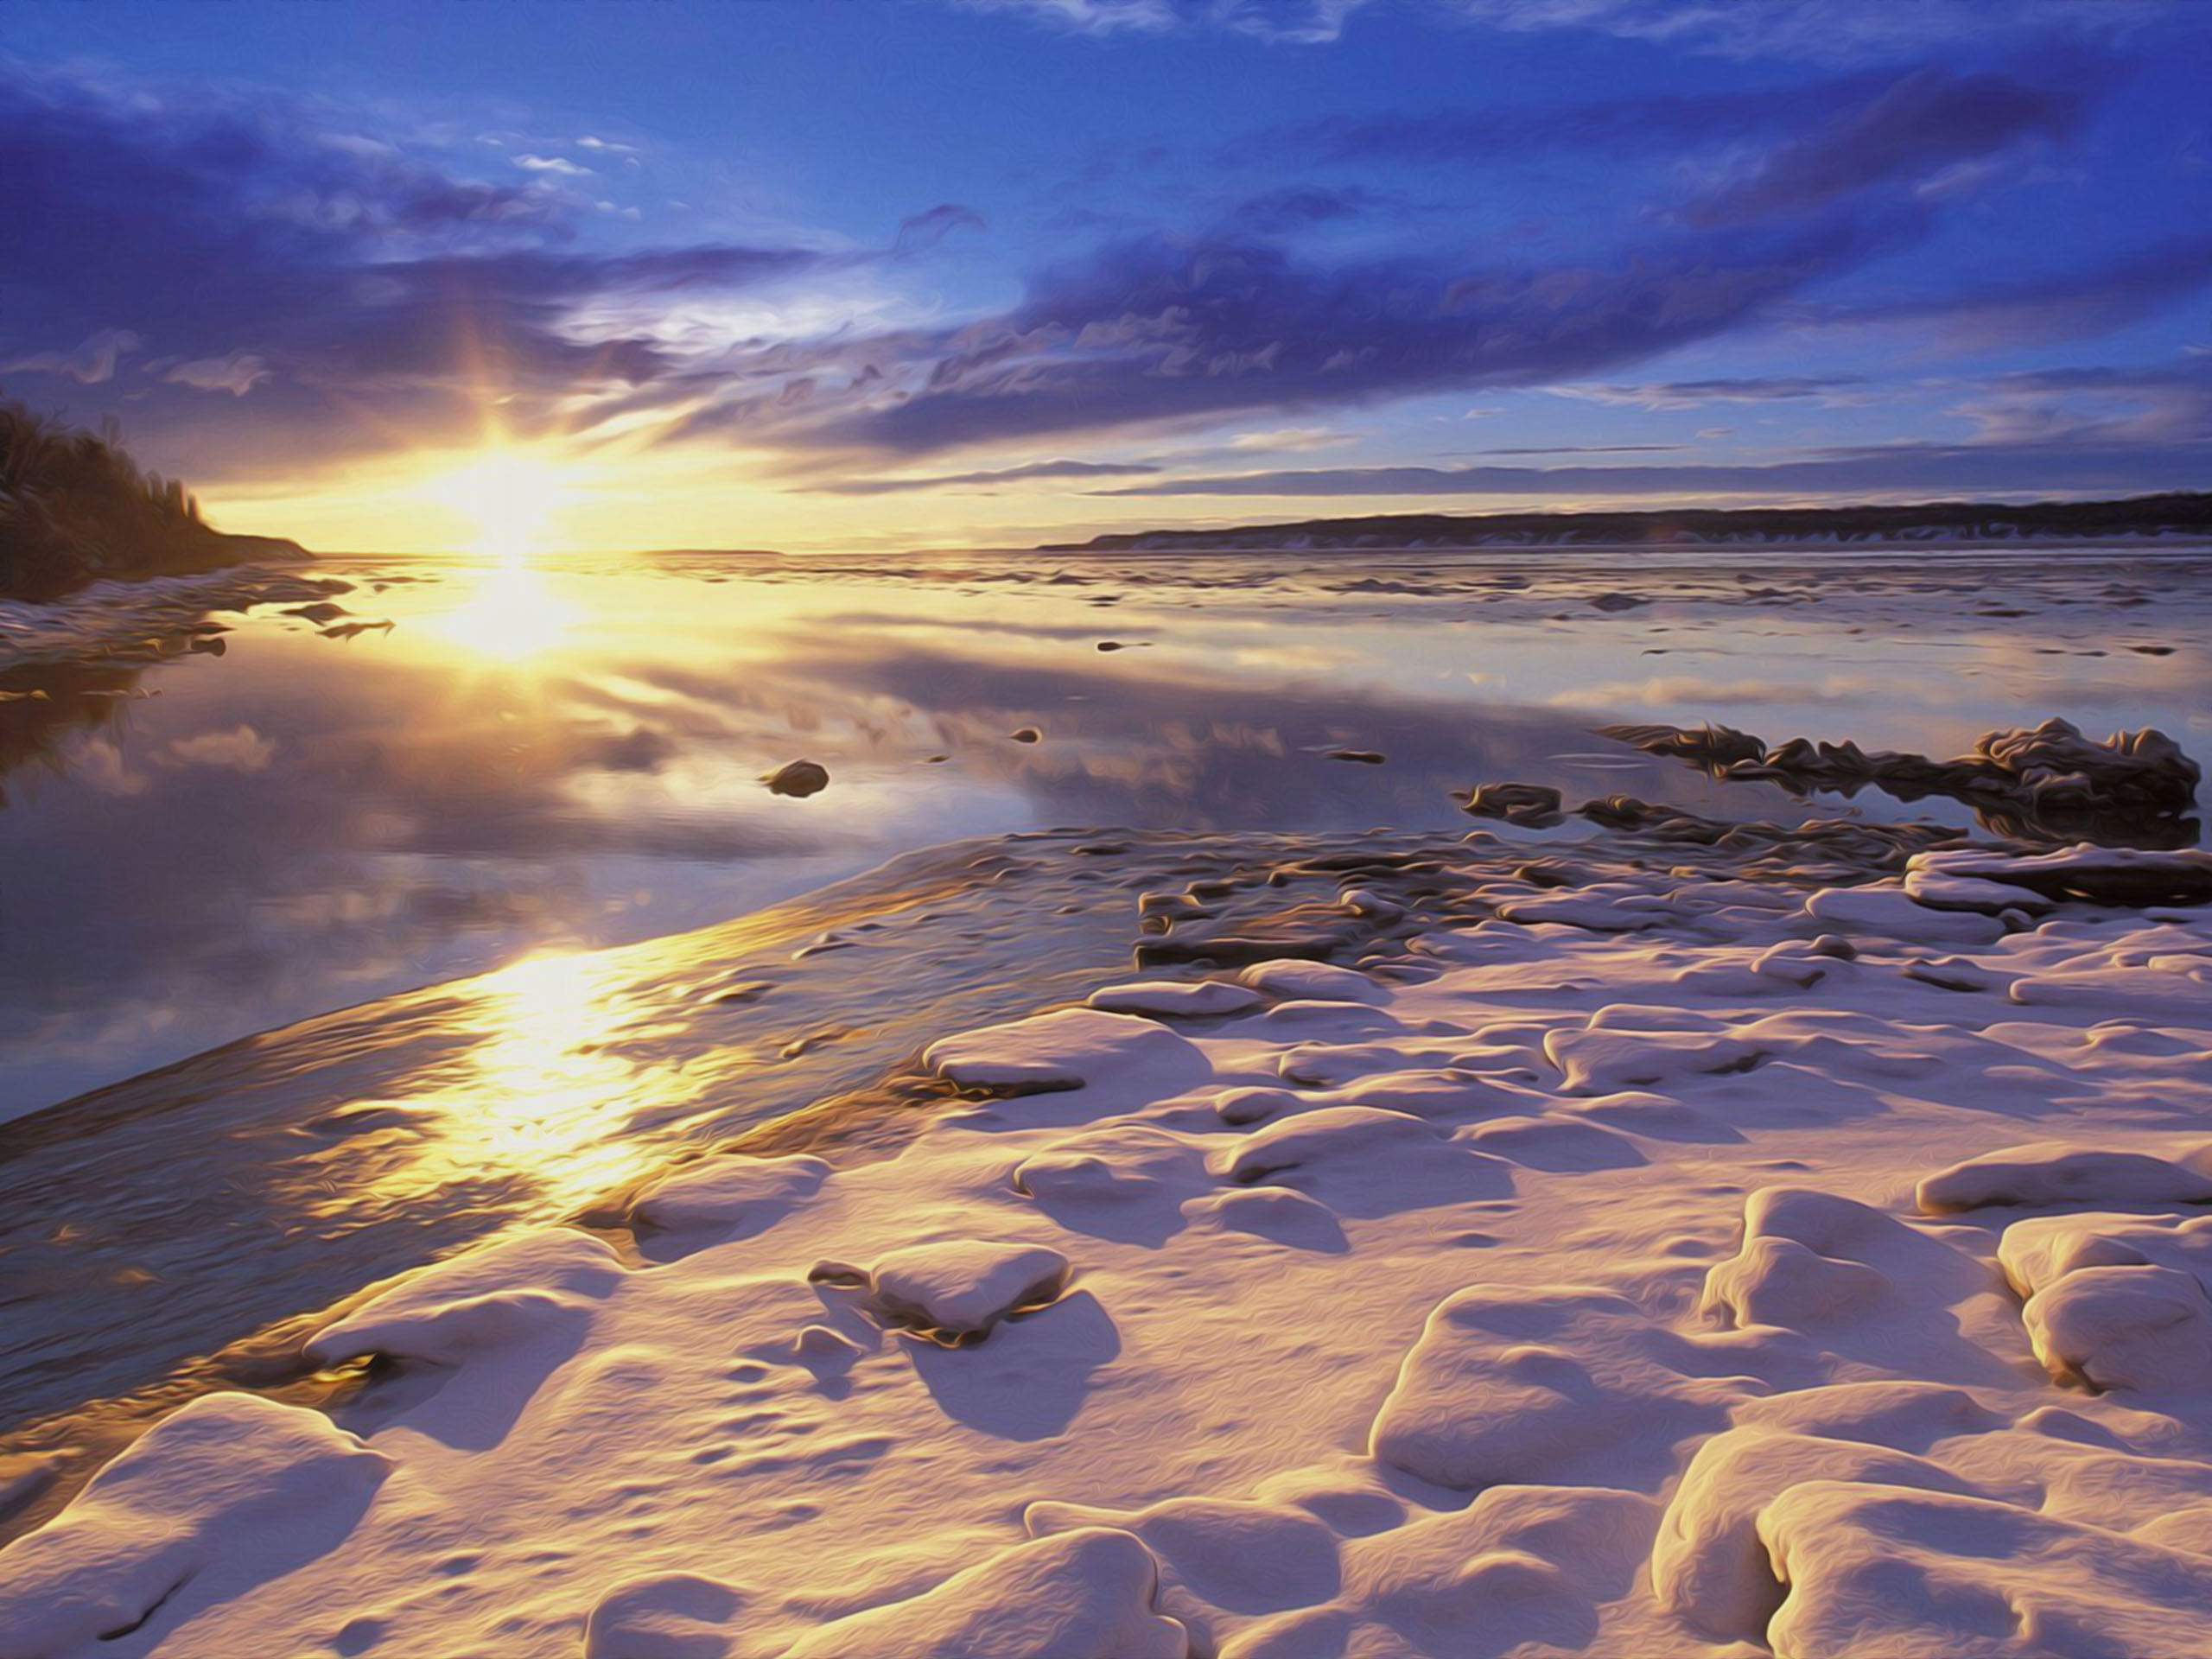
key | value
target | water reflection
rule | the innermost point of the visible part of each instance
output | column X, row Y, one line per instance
column 509, row 612
column 551, row 758
column 547, row 1090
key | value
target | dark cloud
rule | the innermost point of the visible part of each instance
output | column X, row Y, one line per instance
column 1580, row 449
column 317, row 276
column 1824, row 140
column 1005, row 475
column 1159, row 328
column 1655, row 394
column 927, row 229
column 1919, row 129
column 1629, row 123
column 1302, row 206
column 1817, row 31
column 1909, row 469
column 2076, row 304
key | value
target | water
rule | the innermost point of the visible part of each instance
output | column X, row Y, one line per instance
column 568, row 756
column 532, row 764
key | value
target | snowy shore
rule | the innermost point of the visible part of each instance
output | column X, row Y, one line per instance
column 1690, row 1256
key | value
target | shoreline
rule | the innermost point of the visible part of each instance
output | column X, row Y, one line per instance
column 1459, row 1073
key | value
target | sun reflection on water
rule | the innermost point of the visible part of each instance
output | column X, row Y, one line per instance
column 510, row 613
column 549, row 1091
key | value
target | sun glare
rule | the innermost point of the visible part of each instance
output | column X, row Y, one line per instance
column 510, row 498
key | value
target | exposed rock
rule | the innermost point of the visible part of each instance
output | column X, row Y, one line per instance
column 798, row 777
column 1536, row 805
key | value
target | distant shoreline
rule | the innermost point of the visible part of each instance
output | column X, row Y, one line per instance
column 2176, row 517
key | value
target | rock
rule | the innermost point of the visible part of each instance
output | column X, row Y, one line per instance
column 1198, row 999
column 478, row 1302
column 1535, row 805
column 231, row 1487
column 954, row 1292
column 1069, row 1049
column 1027, row 734
column 799, row 778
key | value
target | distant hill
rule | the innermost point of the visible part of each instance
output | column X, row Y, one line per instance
column 76, row 509
column 1944, row 522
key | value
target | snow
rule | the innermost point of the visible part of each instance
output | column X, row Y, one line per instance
column 1692, row 1276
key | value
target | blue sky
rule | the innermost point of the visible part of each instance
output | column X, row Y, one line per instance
column 918, row 270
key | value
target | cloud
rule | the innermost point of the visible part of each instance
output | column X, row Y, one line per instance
column 1830, row 390
column 927, row 229
column 558, row 165
column 1581, row 449
column 2095, row 406
column 1926, row 124
column 1008, row 475
column 1909, row 469
column 1292, row 438
column 1821, row 30
column 2076, row 304
column 376, row 289
column 92, row 361
column 237, row 372
column 1302, row 206
column 1159, row 328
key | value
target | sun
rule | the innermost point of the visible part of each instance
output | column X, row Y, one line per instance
column 510, row 497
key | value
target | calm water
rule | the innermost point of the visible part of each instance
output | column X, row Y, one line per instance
column 570, row 755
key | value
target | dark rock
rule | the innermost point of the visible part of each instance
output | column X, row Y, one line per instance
column 1535, row 805
column 798, row 777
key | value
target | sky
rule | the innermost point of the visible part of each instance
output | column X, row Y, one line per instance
column 944, row 273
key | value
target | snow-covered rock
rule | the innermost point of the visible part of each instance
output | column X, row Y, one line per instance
column 228, row 1491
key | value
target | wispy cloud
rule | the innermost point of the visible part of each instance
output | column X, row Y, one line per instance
column 1033, row 470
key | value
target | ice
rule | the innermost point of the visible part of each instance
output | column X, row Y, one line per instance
column 230, row 1490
